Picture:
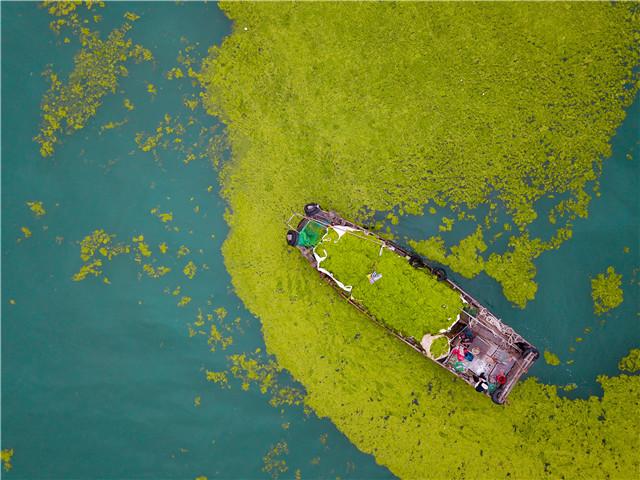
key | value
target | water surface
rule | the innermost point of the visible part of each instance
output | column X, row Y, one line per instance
column 99, row 381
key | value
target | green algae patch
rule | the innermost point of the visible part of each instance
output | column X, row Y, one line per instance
column 67, row 15
column 465, row 257
column 410, row 301
column 25, row 232
column 185, row 300
column 433, row 248
column 37, row 208
column 164, row 217
column 98, row 66
column 190, row 270
column 251, row 370
column 91, row 268
column 5, row 455
column 551, row 358
column 155, row 272
column 94, row 248
column 371, row 107
column 515, row 269
column 631, row 363
column 447, row 224
column 273, row 463
column 99, row 247
column 606, row 291
column 439, row 347
column 219, row 378
column 170, row 136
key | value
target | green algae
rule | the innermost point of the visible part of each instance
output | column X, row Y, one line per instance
column 91, row 268
column 99, row 247
column 251, row 370
column 5, row 456
column 513, row 269
column 465, row 257
column 447, row 224
column 631, row 363
column 606, row 291
column 155, row 272
column 273, row 464
column 345, row 105
column 164, row 217
column 98, row 244
column 170, row 134
column 219, row 378
column 439, row 347
column 25, row 232
column 37, row 208
column 433, row 248
column 67, row 15
column 112, row 125
column 184, row 300
column 190, row 270
column 217, row 329
column 98, row 66
column 551, row 358
column 406, row 299
column 91, row 244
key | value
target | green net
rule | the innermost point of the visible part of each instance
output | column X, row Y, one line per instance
column 311, row 234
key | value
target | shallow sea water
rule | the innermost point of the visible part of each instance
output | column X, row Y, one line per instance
column 99, row 381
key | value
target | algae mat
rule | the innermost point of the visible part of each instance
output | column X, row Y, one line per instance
column 410, row 301
column 373, row 107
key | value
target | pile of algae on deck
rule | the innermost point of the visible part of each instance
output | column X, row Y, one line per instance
column 361, row 107
column 411, row 301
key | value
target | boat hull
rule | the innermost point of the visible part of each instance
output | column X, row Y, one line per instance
column 483, row 351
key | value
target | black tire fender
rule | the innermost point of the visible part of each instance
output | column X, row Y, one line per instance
column 292, row 238
column 533, row 350
column 311, row 209
column 417, row 262
column 440, row 273
column 495, row 398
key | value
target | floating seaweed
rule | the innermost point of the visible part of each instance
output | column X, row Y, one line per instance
column 98, row 66
column 365, row 124
column 606, row 291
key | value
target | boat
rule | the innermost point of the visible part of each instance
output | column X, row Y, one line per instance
column 398, row 294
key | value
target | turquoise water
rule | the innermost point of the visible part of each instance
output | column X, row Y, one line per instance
column 99, row 381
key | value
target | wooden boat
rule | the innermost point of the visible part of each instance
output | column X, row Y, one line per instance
column 482, row 351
